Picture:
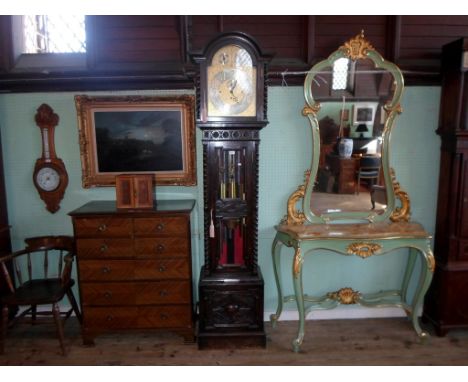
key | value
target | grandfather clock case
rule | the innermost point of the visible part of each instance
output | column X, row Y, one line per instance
column 231, row 111
column 446, row 302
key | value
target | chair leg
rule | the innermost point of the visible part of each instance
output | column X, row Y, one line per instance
column 58, row 324
column 5, row 312
column 71, row 298
column 33, row 313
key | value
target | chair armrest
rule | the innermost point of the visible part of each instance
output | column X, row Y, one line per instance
column 68, row 264
column 4, row 270
column 6, row 275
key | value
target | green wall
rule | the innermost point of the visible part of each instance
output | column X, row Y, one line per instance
column 284, row 155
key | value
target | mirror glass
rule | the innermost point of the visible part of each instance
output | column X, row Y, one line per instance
column 351, row 119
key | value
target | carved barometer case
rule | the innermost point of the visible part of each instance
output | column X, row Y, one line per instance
column 50, row 175
column 231, row 91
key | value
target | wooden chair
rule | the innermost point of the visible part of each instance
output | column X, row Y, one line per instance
column 369, row 168
column 43, row 289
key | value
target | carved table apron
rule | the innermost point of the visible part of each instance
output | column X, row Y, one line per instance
column 363, row 240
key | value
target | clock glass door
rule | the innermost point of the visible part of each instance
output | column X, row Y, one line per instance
column 231, row 207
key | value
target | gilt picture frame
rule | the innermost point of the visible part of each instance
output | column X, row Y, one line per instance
column 137, row 135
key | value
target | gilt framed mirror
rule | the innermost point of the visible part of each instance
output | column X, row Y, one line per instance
column 352, row 101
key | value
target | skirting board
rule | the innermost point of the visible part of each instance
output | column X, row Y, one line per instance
column 340, row 312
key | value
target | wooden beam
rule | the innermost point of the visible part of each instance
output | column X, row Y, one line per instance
column 393, row 38
column 310, row 39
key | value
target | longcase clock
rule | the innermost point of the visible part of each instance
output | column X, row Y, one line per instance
column 446, row 301
column 231, row 110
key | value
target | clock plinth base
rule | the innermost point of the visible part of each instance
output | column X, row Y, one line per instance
column 231, row 311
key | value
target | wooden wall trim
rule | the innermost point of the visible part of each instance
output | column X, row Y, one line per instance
column 310, row 39
column 184, row 38
column 393, row 38
column 6, row 44
column 122, row 49
column 90, row 42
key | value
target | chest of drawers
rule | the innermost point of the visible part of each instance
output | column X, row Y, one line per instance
column 134, row 267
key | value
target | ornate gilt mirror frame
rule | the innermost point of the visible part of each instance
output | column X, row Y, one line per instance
column 358, row 48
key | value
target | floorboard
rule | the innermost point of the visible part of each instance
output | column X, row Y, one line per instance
column 387, row 341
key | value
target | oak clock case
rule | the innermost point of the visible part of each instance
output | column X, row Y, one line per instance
column 50, row 175
column 232, row 95
column 446, row 302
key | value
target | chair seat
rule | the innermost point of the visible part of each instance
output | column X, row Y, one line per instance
column 35, row 292
column 370, row 173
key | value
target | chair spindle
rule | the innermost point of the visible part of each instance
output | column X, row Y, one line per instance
column 18, row 272
column 46, row 263
column 60, row 262
column 29, row 266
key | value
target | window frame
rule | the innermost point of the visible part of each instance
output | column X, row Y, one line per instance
column 44, row 62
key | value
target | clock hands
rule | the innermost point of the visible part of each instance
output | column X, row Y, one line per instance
column 232, row 86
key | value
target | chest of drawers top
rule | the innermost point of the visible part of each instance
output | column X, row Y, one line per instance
column 108, row 207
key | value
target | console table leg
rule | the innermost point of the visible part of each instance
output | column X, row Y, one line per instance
column 275, row 252
column 427, row 269
column 413, row 253
column 298, row 290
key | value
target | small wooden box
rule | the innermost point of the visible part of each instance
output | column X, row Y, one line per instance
column 134, row 191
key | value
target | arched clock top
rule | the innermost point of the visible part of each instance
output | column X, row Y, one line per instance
column 231, row 88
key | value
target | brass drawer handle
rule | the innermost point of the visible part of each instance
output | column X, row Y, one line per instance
column 160, row 248
column 105, row 270
column 102, row 228
column 104, row 248
column 162, row 268
column 232, row 308
column 163, row 293
column 108, row 295
column 160, row 226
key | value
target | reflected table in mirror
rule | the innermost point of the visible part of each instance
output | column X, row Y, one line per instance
column 363, row 240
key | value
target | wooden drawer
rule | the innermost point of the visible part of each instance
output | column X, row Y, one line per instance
column 103, row 227
column 108, row 293
column 104, row 248
column 161, row 247
column 163, row 316
column 163, row 269
column 106, row 270
column 119, row 317
column 131, row 293
column 174, row 226
column 129, row 270
column 163, row 292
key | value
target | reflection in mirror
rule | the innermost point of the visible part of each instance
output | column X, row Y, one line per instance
column 352, row 95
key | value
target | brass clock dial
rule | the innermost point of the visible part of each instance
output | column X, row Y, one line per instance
column 231, row 83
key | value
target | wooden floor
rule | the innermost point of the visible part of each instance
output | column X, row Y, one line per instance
column 389, row 341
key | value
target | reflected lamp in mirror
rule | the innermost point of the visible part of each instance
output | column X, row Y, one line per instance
column 363, row 114
column 361, row 129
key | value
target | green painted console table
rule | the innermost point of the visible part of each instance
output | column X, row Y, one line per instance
column 357, row 87
column 363, row 240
